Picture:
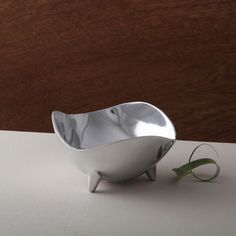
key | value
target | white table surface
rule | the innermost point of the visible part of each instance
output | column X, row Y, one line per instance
column 42, row 193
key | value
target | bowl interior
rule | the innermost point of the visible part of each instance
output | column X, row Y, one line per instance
column 124, row 121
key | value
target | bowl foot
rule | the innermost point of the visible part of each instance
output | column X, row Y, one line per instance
column 93, row 181
column 151, row 173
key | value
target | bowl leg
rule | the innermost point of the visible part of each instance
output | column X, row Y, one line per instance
column 151, row 173
column 93, row 181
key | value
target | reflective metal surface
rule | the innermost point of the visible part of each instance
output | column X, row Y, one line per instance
column 120, row 122
column 91, row 136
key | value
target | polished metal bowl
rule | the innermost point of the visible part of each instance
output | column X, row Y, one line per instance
column 116, row 143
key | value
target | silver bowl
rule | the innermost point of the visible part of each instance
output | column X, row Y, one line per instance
column 116, row 143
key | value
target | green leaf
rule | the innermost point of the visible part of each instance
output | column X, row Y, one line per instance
column 188, row 169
